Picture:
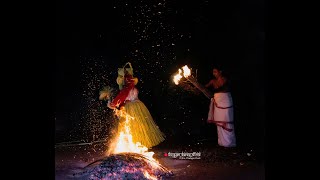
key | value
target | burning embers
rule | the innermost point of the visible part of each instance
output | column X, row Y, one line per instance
column 125, row 166
column 126, row 159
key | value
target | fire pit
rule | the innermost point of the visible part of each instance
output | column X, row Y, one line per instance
column 125, row 159
column 124, row 166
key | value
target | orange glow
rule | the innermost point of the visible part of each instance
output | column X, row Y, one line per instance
column 186, row 71
column 178, row 76
column 124, row 143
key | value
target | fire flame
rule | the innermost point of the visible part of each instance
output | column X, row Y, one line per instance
column 124, row 143
column 147, row 175
column 186, row 71
column 178, row 76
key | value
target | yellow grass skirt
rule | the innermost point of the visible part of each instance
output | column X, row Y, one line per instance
column 143, row 128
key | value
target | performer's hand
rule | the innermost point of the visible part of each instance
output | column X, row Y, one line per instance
column 109, row 105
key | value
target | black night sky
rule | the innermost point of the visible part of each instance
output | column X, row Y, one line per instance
column 94, row 38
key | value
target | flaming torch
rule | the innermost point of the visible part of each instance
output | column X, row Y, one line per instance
column 192, row 80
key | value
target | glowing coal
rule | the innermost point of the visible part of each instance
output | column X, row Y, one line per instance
column 125, row 166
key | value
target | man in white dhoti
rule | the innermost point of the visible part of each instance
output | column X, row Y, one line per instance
column 221, row 109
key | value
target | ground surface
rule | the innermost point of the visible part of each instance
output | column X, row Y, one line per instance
column 215, row 162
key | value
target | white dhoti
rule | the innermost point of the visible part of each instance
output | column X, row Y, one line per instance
column 221, row 113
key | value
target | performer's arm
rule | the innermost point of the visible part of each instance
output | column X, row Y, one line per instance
column 109, row 105
column 210, row 83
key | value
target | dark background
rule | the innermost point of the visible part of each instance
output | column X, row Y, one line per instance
column 94, row 38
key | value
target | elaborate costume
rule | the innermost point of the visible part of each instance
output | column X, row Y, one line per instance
column 143, row 128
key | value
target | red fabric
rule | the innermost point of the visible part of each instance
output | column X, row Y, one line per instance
column 219, row 123
column 119, row 100
column 216, row 105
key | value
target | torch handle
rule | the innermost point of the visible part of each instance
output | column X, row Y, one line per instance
column 205, row 91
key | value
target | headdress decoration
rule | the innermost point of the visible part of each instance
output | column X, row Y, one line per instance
column 121, row 74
